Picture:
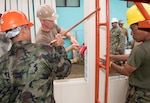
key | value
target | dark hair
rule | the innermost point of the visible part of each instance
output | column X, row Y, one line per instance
column 144, row 29
column 136, row 23
column 0, row 14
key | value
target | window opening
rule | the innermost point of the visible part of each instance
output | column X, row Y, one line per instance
column 67, row 3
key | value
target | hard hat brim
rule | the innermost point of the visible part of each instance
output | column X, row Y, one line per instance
column 30, row 24
column 54, row 17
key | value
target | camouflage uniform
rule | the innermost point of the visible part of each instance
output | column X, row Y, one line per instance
column 117, row 41
column 139, row 80
column 28, row 70
column 4, row 43
column 137, row 95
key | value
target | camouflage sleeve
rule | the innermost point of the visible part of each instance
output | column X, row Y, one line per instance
column 121, row 43
column 63, row 64
column 32, row 82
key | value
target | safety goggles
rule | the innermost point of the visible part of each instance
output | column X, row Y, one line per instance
column 14, row 32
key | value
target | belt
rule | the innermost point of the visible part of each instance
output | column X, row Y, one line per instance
column 139, row 89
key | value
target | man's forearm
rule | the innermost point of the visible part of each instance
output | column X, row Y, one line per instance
column 119, row 57
column 120, row 69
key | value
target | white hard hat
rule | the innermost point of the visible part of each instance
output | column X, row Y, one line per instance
column 114, row 20
column 120, row 22
column 46, row 12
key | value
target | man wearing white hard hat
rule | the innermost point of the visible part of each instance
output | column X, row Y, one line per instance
column 125, row 31
column 117, row 39
column 48, row 30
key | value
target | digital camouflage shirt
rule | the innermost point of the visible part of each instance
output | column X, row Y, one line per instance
column 117, row 41
column 4, row 43
column 27, row 72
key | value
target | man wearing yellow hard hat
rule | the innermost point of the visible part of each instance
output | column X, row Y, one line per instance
column 137, row 66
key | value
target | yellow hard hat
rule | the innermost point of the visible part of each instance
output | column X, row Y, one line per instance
column 133, row 14
column 46, row 12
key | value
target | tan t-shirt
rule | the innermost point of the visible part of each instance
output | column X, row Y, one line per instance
column 45, row 37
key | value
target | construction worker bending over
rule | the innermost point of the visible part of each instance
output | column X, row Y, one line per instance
column 28, row 70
